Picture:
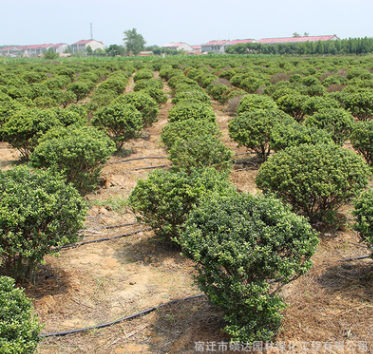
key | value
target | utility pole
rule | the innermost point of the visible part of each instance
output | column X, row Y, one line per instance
column 91, row 30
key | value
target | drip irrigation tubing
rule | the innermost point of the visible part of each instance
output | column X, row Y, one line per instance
column 138, row 158
column 109, row 227
column 148, row 168
column 350, row 259
column 127, row 318
column 101, row 239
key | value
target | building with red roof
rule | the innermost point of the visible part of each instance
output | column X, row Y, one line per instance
column 81, row 46
column 32, row 50
column 219, row 46
column 297, row 39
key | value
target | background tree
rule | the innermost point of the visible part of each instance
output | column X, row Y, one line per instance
column 134, row 41
column 51, row 54
column 114, row 50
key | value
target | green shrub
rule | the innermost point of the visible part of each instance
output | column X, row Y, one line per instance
column 143, row 103
column 115, row 85
column 69, row 117
column 239, row 243
column 77, row 152
column 338, row 122
column 143, row 74
column 148, row 83
column 32, row 77
column 158, row 95
column 80, row 89
column 316, row 104
column 219, row 92
column 191, row 95
column 252, row 102
column 253, row 129
column 283, row 92
column 103, row 98
column 294, row 134
column 38, row 211
column 23, row 129
column 314, row 90
column 315, row 179
column 359, row 104
column 178, row 80
column 57, row 83
column 293, row 105
column 185, row 110
column 187, row 128
column 310, row 80
column 362, row 140
column 45, row 102
column 165, row 198
column 363, row 211
column 37, row 90
column 65, row 98
column 121, row 122
column 18, row 327
column 334, row 80
column 200, row 151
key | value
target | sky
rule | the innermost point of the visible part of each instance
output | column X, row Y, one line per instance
column 27, row 22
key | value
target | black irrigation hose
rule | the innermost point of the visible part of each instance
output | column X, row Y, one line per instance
column 350, row 259
column 110, row 227
column 119, row 225
column 148, row 168
column 127, row 318
column 138, row 158
column 101, row 239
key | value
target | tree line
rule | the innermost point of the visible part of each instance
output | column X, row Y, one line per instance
column 344, row 46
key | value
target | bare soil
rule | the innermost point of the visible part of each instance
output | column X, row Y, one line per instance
column 100, row 282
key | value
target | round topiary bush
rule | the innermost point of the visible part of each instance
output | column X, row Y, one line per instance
column 200, row 151
column 362, row 140
column 338, row 122
column 251, row 102
column 245, row 249
column 38, row 211
column 187, row 128
column 315, row 179
column 294, row 134
column 157, row 94
column 143, row 74
column 143, row 103
column 121, row 122
column 363, row 211
column 253, row 129
column 116, row 85
column 191, row 110
column 191, row 95
column 148, row 83
column 165, row 198
column 24, row 127
column 293, row 104
column 77, row 152
column 18, row 327
column 359, row 104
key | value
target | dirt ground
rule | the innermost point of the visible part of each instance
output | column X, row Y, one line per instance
column 101, row 282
